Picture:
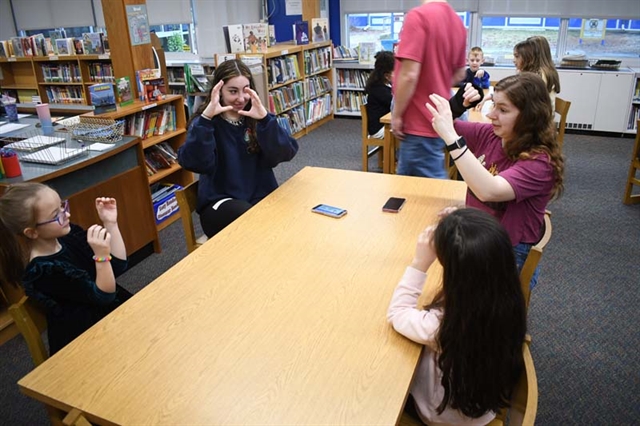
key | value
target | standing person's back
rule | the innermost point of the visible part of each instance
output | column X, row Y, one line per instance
column 431, row 56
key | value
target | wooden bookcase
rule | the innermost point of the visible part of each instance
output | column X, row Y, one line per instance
column 174, row 174
column 30, row 76
column 350, row 80
column 295, row 82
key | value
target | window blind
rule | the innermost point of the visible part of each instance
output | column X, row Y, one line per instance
column 97, row 5
column 622, row 9
column 169, row 11
column 7, row 30
column 373, row 6
column 38, row 14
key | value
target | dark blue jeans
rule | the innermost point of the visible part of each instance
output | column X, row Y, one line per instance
column 522, row 251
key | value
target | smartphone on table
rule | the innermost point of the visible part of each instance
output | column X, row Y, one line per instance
column 328, row 210
column 393, row 205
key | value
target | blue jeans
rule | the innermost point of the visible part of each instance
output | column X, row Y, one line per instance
column 422, row 156
column 522, row 251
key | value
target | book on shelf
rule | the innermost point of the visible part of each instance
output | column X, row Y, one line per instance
column 320, row 29
column 272, row 35
column 222, row 57
column 234, row 38
column 148, row 80
column 78, row 46
column 93, row 43
column 367, row 52
column 301, row 32
column 103, row 98
column 55, row 35
column 198, row 78
column 125, row 95
column 38, row 45
column 3, row 49
column 65, row 46
column 256, row 37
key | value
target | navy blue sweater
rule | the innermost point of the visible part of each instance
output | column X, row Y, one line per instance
column 217, row 150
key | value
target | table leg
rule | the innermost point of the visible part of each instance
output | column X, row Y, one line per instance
column 386, row 150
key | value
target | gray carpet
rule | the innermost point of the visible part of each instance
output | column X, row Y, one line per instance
column 584, row 312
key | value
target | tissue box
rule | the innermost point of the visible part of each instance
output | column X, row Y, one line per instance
column 165, row 203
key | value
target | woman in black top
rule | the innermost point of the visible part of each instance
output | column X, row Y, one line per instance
column 378, row 90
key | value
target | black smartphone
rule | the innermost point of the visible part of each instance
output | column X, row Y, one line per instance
column 329, row 210
column 393, row 205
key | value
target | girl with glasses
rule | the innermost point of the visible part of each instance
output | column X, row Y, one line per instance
column 70, row 272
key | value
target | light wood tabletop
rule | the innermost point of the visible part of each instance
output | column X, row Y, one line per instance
column 391, row 144
column 279, row 319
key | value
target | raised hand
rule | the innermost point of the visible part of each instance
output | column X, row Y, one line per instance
column 214, row 108
column 442, row 119
column 107, row 210
column 257, row 110
column 425, row 252
column 100, row 240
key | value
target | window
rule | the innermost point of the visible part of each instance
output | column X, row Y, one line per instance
column 604, row 38
column 382, row 28
column 175, row 37
column 75, row 32
column 501, row 33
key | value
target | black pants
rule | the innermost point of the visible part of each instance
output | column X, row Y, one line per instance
column 215, row 220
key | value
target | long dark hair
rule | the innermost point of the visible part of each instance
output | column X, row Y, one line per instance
column 17, row 212
column 225, row 72
column 535, row 131
column 384, row 65
column 484, row 320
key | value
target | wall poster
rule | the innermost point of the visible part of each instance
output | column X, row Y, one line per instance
column 138, row 24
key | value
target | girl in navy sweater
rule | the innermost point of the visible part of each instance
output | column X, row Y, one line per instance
column 234, row 144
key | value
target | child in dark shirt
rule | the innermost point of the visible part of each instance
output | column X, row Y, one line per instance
column 378, row 90
column 67, row 271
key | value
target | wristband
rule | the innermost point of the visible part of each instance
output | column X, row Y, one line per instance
column 98, row 259
column 205, row 117
column 457, row 144
column 463, row 152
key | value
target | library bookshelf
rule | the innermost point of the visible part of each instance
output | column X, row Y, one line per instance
column 295, row 83
column 350, row 78
column 175, row 138
column 56, row 79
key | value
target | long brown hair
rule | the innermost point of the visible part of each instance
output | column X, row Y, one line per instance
column 225, row 72
column 536, row 57
column 17, row 212
column 534, row 128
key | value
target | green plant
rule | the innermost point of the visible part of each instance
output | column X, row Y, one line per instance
column 175, row 42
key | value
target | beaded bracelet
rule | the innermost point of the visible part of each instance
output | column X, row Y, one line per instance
column 101, row 259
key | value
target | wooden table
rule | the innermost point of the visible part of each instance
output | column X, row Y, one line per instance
column 279, row 319
column 390, row 143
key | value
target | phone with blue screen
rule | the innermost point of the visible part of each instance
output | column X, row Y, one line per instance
column 328, row 210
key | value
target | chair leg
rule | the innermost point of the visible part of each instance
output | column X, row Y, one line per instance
column 365, row 158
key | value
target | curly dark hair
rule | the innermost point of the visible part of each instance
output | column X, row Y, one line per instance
column 484, row 321
column 385, row 62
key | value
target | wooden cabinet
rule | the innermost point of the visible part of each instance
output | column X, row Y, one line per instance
column 295, row 83
column 581, row 88
column 614, row 98
column 351, row 79
column 175, row 138
column 56, row 79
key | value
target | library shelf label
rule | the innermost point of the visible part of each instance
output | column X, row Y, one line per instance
column 146, row 107
column 53, row 58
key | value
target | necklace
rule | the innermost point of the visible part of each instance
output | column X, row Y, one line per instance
column 237, row 122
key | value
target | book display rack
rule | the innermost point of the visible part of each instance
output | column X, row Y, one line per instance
column 297, row 84
column 55, row 79
column 351, row 79
column 161, row 126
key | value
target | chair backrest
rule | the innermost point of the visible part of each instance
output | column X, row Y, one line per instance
column 533, row 258
column 31, row 322
column 365, row 123
column 634, row 167
column 562, row 108
column 75, row 417
column 187, row 201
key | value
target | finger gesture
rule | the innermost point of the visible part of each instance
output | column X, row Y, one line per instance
column 214, row 108
column 480, row 73
column 100, row 240
column 257, row 110
column 442, row 120
column 107, row 210
column 425, row 252
column 470, row 95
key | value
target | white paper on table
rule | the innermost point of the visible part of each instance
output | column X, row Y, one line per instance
column 23, row 115
column 11, row 127
column 100, row 146
column 35, row 142
column 53, row 155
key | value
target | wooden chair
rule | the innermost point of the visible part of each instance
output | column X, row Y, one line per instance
column 75, row 417
column 630, row 198
column 369, row 142
column 533, row 259
column 187, row 201
column 32, row 322
column 562, row 108
column 524, row 400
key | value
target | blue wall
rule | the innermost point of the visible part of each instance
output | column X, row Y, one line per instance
column 284, row 23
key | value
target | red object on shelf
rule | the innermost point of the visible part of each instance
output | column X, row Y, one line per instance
column 11, row 166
